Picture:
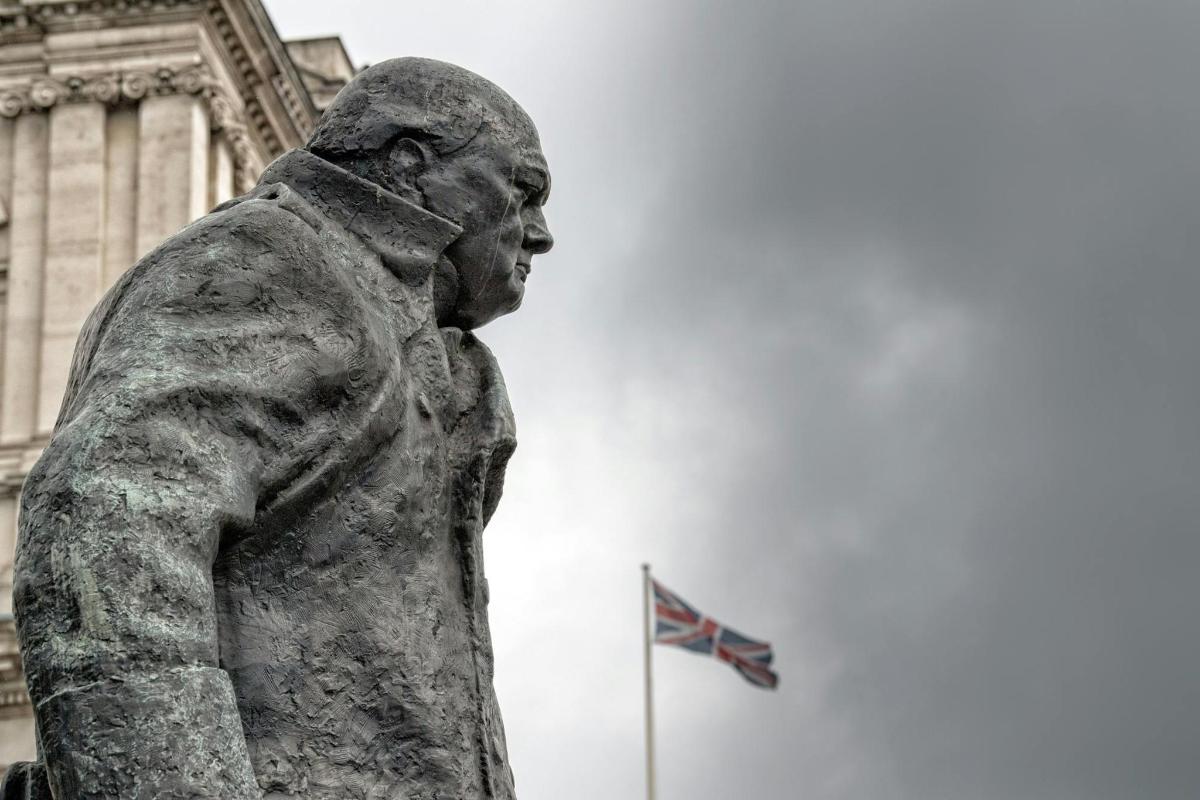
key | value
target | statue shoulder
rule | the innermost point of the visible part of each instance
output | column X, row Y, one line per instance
column 266, row 243
column 248, row 265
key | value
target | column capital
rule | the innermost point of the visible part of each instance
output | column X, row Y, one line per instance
column 113, row 88
column 121, row 87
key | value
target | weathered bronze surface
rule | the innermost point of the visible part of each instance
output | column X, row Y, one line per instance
column 250, row 559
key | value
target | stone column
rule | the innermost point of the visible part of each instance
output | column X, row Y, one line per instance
column 23, row 322
column 221, row 172
column 74, row 244
column 172, row 167
column 8, row 543
column 6, row 193
column 120, row 229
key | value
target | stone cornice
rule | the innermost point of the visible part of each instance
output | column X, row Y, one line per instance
column 251, row 39
column 116, row 88
column 32, row 15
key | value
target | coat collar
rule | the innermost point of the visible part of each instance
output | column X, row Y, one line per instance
column 407, row 238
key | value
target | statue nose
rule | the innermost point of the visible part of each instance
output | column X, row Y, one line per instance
column 538, row 239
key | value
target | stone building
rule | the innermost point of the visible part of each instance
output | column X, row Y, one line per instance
column 120, row 122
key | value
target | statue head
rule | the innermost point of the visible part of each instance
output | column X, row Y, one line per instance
column 460, row 147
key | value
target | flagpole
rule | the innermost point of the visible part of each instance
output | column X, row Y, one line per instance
column 650, row 788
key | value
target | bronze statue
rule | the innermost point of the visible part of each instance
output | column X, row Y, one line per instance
column 250, row 559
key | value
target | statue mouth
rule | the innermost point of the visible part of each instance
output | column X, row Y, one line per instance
column 523, row 270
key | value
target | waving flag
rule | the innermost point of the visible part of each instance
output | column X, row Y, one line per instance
column 680, row 625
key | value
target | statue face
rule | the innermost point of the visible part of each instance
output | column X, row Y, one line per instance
column 495, row 189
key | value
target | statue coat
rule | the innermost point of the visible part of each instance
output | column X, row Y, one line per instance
column 249, row 562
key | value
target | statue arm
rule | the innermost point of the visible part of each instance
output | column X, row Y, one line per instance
column 205, row 386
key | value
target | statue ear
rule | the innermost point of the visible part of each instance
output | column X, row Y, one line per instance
column 407, row 160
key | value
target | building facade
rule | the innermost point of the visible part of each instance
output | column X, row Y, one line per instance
column 120, row 122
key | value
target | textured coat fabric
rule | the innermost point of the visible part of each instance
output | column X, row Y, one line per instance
column 250, row 560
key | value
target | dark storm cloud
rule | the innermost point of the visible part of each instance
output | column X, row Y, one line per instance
column 872, row 325
column 939, row 261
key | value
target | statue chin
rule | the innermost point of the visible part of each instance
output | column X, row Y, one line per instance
column 499, row 303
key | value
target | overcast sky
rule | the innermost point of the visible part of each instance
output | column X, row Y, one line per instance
column 873, row 326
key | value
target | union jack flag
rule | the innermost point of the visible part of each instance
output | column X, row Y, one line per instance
column 678, row 624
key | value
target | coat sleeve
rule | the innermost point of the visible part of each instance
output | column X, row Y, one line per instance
column 212, row 376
